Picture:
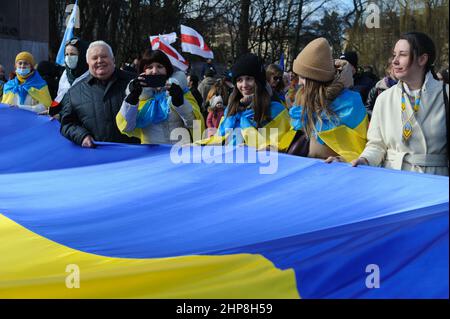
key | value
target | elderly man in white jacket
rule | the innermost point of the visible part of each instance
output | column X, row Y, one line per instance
column 408, row 127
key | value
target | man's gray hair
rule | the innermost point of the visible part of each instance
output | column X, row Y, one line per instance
column 99, row 43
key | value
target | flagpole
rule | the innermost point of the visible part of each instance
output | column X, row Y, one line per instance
column 68, row 34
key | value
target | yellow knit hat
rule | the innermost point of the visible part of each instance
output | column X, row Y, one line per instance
column 315, row 61
column 26, row 56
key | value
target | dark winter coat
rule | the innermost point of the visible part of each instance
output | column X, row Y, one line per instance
column 90, row 108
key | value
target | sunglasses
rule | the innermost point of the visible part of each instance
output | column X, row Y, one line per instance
column 277, row 78
column 72, row 42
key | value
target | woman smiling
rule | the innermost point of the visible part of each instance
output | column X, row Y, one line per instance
column 408, row 128
column 251, row 117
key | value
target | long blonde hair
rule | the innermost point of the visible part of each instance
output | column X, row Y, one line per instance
column 315, row 98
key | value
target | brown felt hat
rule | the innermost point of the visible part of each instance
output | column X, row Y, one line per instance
column 315, row 61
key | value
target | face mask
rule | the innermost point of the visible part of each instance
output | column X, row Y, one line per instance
column 23, row 72
column 71, row 61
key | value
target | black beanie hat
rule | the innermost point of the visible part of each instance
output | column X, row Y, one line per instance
column 251, row 65
column 351, row 57
column 151, row 56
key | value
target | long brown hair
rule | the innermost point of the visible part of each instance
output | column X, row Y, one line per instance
column 261, row 103
column 420, row 43
column 219, row 88
column 275, row 70
column 315, row 98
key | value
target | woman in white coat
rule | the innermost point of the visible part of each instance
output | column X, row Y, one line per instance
column 408, row 127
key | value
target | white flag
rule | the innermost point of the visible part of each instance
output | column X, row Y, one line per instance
column 192, row 42
column 175, row 58
column 169, row 38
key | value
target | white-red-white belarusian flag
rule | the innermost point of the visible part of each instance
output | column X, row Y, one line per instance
column 175, row 58
column 192, row 42
column 169, row 38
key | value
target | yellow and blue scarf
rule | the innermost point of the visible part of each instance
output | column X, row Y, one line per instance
column 346, row 133
column 244, row 130
column 34, row 85
column 156, row 110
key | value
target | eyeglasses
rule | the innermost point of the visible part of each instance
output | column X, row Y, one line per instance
column 277, row 78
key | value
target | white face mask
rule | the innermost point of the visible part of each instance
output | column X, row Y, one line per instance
column 71, row 61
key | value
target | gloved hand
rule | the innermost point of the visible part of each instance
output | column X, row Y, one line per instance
column 135, row 88
column 245, row 102
column 176, row 93
column 54, row 109
column 344, row 73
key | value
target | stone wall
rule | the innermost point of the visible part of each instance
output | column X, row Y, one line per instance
column 24, row 26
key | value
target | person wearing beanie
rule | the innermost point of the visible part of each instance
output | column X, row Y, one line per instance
column 251, row 113
column 215, row 114
column 193, row 87
column 216, row 102
column 219, row 88
column 352, row 58
column 158, row 101
column 27, row 90
column 332, row 117
column 208, row 66
column 205, row 86
column 362, row 81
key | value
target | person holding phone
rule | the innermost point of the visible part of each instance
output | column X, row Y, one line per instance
column 158, row 101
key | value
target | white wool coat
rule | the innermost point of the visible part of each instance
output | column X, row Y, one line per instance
column 426, row 150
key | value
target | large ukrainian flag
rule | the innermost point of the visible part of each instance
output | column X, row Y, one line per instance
column 139, row 226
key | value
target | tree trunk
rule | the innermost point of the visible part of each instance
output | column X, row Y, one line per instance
column 244, row 27
column 298, row 27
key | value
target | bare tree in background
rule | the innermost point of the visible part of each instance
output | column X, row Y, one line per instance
column 244, row 26
column 266, row 27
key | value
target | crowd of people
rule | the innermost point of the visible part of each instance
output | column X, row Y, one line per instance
column 324, row 108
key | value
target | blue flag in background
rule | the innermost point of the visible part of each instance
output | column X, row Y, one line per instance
column 282, row 61
column 68, row 34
